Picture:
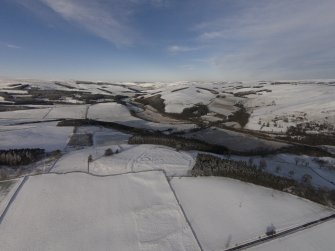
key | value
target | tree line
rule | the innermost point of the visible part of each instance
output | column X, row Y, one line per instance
column 16, row 157
column 177, row 142
column 209, row 165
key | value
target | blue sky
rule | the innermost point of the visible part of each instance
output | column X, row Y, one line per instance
column 148, row 40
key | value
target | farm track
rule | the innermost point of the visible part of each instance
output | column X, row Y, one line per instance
column 183, row 211
column 46, row 115
column 282, row 234
column 322, row 177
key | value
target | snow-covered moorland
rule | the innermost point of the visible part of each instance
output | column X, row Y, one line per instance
column 116, row 170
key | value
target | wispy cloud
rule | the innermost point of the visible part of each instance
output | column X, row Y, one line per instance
column 160, row 3
column 10, row 46
column 189, row 67
column 237, row 38
column 178, row 49
column 287, row 38
column 13, row 46
column 110, row 20
column 95, row 17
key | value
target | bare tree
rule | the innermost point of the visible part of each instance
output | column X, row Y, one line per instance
column 250, row 161
column 306, row 179
column 262, row 164
column 270, row 230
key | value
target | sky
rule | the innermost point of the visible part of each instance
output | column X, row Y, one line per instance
column 167, row 40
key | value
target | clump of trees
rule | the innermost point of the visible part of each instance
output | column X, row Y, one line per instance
column 209, row 165
column 303, row 133
column 325, row 163
column 177, row 142
column 241, row 116
column 16, row 157
column 155, row 101
column 310, row 139
column 108, row 152
column 306, row 127
column 244, row 93
column 197, row 110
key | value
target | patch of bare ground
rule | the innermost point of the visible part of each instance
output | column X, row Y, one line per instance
column 154, row 101
column 78, row 140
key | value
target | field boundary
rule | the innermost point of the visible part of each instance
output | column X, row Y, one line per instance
column 183, row 211
column 11, row 200
column 282, row 234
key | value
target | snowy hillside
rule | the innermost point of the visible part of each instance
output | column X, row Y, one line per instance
column 121, row 165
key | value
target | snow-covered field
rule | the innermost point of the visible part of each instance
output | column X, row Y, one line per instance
column 129, row 159
column 145, row 157
column 76, row 160
column 113, row 112
column 67, row 112
column 31, row 114
column 83, row 212
column 225, row 212
column 110, row 112
column 39, row 135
